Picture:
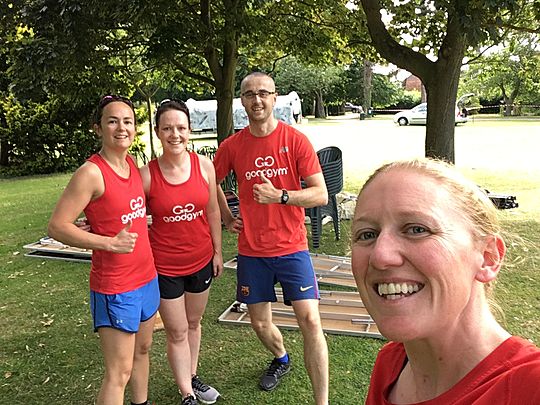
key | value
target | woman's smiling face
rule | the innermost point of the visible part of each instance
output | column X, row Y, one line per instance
column 414, row 257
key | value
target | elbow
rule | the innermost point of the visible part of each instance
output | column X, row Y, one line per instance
column 323, row 198
column 52, row 230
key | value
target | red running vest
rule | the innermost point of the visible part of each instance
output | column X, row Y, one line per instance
column 122, row 201
column 179, row 234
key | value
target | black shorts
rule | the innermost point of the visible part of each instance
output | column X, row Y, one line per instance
column 174, row 287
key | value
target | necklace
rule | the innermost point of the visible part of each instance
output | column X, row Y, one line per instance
column 121, row 169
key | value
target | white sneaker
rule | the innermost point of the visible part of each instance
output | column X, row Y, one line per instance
column 204, row 393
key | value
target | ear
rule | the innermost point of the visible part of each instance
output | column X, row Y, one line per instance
column 97, row 130
column 493, row 255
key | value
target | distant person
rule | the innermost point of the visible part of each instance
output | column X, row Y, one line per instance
column 124, row 295
column 269, row 157
column 185, row 236
column 296, row 106
column 426, row 249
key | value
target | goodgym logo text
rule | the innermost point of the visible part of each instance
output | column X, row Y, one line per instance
column 138, row 210
column 264, row 166
column 186, row 213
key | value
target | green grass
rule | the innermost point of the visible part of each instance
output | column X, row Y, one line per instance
column 49, row 354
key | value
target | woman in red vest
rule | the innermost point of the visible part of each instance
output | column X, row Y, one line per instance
column 123, row 282
column 185, row 236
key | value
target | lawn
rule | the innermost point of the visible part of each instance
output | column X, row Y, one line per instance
column 49, row 354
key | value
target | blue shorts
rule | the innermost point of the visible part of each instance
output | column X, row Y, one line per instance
column 127, row 310
column 257, row 276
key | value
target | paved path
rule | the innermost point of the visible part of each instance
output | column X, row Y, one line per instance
column 479, row 144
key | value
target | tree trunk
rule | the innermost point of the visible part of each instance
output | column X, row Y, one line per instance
column 319, row 105
column 150, row 129
column 441, row 118
column 223, row 72
column 224, row 113
column 4, row 153
column 368, row 76
column 508, row 105
column 4, row 145
column 440, row 78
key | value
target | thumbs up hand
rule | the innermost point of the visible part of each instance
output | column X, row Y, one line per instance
column 124, row 241
column 265, row 192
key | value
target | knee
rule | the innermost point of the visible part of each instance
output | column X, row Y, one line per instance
column 194, row 324
column 177, row 335
column 310, row 323
column 143, row 348
column 118, row 376
column 260, row 326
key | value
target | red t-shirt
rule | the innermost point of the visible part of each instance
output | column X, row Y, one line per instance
column 179, row 235
column 122, row 201
column 284, row 156
column 509, row 375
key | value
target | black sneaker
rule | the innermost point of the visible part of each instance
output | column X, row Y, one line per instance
column 189, row 400
column 273, row 374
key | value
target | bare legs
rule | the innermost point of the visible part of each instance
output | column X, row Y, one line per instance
column 315, row 348
column 126, row 357
column 138, row 383
column 182, row 319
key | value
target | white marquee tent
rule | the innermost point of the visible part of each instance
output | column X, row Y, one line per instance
column 203, row 113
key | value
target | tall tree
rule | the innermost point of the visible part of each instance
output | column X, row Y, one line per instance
column 217, row 34
column 203, row 39
column 509, row 74
column 311, row 82
column 430, row 40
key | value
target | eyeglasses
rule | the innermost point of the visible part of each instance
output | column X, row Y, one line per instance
column 260, row 93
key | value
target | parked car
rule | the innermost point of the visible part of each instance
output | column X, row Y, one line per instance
column 418, row 116
column 353, row 108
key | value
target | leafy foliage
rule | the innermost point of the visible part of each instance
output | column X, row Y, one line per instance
column 43, row 138
column 430, row 39
column 509, row 75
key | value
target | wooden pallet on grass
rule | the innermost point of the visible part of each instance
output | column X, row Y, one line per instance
column 48, row 248
column 342, row 313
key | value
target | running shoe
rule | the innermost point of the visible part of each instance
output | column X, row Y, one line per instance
column 272, row 375
column 189, row 400
column 204, row 392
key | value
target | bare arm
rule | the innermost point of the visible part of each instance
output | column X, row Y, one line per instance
column 146, row 179
column 213, row 215
column 233, row 224
column 313, row 196
column 85, row 185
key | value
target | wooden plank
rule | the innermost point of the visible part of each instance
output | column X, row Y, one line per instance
column 58, row 256
column 50, row 248
column 159, row 322
column 342, row 313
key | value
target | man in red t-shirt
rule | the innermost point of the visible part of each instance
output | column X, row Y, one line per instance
column 269, row 158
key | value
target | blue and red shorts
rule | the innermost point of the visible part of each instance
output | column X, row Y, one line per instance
column 257, row 276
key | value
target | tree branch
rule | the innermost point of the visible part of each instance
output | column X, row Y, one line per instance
column 389, row 48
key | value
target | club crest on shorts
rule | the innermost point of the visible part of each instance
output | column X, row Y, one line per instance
column 244, row 290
